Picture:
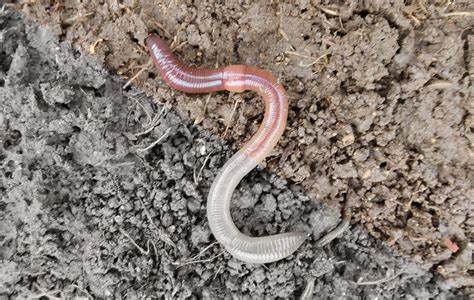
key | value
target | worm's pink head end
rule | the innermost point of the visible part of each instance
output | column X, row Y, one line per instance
column 149, row 40
column 154, row 41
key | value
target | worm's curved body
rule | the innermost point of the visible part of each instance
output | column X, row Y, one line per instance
column 235, row 78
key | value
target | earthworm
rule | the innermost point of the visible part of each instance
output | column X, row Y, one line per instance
column 340, row 228
column 235, row 78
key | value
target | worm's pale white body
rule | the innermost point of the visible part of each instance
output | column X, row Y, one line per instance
column 246, row 248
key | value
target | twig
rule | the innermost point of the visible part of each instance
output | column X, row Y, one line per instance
column 179, row 46
column 234, row 108
column 422, row 7
column 314, row 60
column 89, row 296
column 154, row 122
column 144, row 68
column 44, row 293
column 94, row 45
column 459, row 13
column 142, row 251
column 144, row 109
column 266, row 268
column 203, row 251
column 155, row 142
column 193, row 259
column 280, row 27
column 380, row 281
column 78, row 17
column 343, row 226
column 161, row 235
column 201, row 117
column 159, row 25
column 198, row 177
column 308, row 290
column 329, row 11
column 201, row 261
column 415, row 19
column 217, row 272
column 440, row 85
column 298, row 54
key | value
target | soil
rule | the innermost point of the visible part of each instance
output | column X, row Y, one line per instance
column 380, row 117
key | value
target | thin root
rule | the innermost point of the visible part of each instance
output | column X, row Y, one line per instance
column 195, row 258
column 142, row 251
column 144, row 68
column 78, row 17
column 165, row 135
column 415, row 19
column 94, row 45
column 459, row 14
column 88, row 296
column 343, row 226
column 179, row 46
column 154, row 122
column 329, row 11
column 234, row 108
column 44, row 293
column 161, row 235
column 313, row 60
column 144, row 109
column 198, row 177
column 308, row 290
column 159, row 25
column 201, row 117
column 380, row 281
column 217, row 272
column 203, row 251
column 266, row 268
column 201, row 261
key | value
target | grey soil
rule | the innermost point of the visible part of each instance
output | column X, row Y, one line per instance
column 384, row 123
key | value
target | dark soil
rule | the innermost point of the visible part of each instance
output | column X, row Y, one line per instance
column 383, row 121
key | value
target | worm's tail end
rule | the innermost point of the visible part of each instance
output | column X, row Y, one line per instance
column 266, row 249
column 249, row 249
